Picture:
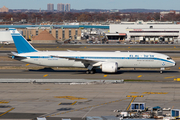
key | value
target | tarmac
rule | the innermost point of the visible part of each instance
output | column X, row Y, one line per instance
column 19, row 70
column 28, row 92
column 31, row 100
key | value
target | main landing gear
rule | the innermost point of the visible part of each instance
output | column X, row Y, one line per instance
column 90, row 71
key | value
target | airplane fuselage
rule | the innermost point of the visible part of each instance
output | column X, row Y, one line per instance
column 123, row 59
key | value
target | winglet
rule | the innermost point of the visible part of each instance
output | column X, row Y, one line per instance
column 20, row 42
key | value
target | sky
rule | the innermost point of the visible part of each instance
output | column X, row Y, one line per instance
column 94, row 4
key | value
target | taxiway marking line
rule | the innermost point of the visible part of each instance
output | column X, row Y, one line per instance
column 70, row 97
column 27, row 64
column 169, row 77
column 105, row 75
column 4, row 102
column 45, row 75
column 176, row 79
column 149, row 93
column 130, row 103
column 135, row 96
column 74, row 103
column 139, row 76
column 7, row 111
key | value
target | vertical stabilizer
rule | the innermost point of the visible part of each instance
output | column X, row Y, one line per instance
column 22, row 45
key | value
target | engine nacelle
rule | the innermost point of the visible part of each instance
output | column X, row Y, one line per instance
column 110, row 67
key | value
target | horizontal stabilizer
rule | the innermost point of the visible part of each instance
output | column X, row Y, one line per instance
column 15, row 55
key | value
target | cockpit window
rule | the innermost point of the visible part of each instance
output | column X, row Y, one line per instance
column 169, row 58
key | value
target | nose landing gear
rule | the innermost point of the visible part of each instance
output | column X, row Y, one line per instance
column 161, row 70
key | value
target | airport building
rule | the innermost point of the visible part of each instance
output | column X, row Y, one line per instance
column 132, row 32
column 144, row 32
column 36, row 34
column 58, row 32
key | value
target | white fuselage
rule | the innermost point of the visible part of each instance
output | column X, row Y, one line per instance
column 124, row 59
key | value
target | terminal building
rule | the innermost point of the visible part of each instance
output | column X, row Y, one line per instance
column 35, row 33
column 129, row 32
column 57, row 33
column 144, row 32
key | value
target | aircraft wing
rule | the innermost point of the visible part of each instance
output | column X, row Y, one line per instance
column 85, row 61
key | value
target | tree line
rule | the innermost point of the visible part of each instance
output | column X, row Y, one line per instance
column 86, row 17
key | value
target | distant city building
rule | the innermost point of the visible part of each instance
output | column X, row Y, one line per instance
column 50, row 7
column 4, row 9
column 60, row 7
column 68, row 7
column 113, row 11
column 168, row 12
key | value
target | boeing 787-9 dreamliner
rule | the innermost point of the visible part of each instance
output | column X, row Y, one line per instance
column 108, row 62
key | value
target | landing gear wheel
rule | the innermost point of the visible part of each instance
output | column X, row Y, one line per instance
column 87, row 72
column 92, row 72
column 161, row 70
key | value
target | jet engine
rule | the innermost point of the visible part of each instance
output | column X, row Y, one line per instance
column 109, row 67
